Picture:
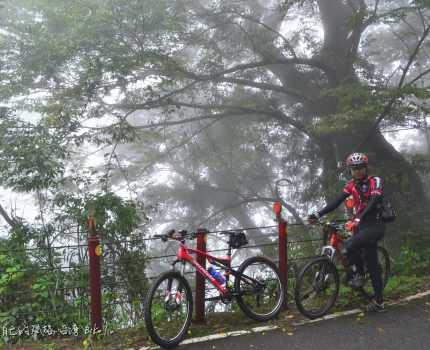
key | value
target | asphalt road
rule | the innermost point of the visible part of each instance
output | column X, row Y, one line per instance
column 402, row 327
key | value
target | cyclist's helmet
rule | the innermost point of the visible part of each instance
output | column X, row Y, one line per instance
column 357, row 160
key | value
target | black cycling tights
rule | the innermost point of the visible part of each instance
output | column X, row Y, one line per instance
column 367, row 237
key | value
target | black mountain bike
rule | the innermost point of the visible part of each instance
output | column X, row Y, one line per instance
column 317, row 285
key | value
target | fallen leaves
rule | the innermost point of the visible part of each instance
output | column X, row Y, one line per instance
column 360, row 317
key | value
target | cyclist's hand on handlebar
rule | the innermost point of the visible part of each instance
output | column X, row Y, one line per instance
column 352, row 225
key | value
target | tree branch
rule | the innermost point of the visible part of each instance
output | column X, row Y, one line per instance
column 265, row 86
column 270, row 29
column 191, row 120
column 218, row 76
column 389, row 105
column 179, row 145
column 11, row 222
column 418, row 77
column 414, row 54
column 395, row 12
column 271, row 113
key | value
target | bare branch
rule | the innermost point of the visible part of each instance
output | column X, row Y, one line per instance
column 413, row 55
column 375, row 9
column 179, row 145
column 418, row 77
column 190, row 120
column 395, row 12
column 11, row 222
column 265, row 86
column 270, row 29
column 271, row 113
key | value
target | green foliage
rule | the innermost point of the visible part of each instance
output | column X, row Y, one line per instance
column 31, row 155
column 114, row 216
column 52, row 346
column 357, row 105
column 422, row 3
column 30, row 295
column 50, row 295
column 399, row 285
column 414, row 259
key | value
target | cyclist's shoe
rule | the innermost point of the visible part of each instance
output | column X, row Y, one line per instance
column 357, row 281
column 373, row 306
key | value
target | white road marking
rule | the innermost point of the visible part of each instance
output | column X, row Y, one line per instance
column 301, row 323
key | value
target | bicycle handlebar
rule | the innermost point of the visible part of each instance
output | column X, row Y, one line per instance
column 183, row 234
column 332, row 224
column 176, row 235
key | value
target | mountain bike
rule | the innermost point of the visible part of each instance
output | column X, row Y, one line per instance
column 317, row 285
column 257, row 288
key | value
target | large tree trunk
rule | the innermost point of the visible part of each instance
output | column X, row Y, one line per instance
column 343, row 24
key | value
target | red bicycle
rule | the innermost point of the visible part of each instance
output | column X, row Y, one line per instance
column 257, row 288
column 317, row 284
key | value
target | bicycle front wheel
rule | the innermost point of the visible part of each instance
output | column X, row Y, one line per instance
column 260, row 292
column 317, row 287
column 169, row 309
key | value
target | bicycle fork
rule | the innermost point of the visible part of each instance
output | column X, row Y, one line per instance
column 178, row 296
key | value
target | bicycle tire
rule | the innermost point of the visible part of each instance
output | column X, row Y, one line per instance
column 151, row 309
column 328, row 267
column 386, row 273
column 242, row 283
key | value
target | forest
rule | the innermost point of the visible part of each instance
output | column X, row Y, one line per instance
column 160, row 114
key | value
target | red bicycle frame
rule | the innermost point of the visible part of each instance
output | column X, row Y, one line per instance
column 334, row 241
column 183, row 255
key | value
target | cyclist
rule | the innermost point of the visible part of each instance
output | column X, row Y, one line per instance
column 366, row 224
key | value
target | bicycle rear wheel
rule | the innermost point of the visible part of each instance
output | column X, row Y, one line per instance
column 260, row 292
column 317, row 287
column 384, row 267
column 169, row 309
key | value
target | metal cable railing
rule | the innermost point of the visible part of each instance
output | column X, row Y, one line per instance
column 117, row 283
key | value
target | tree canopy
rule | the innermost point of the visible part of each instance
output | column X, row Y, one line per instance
column 228, row 97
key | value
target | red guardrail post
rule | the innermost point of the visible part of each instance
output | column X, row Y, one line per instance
column 283, row 251
column 200, row 280
column 94, row 249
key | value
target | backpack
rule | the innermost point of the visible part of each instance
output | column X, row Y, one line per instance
column 387, row 213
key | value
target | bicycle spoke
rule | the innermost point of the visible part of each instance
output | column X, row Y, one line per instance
column 307, row 294
column 316, row 288
column 260, row 289
column 169, row 310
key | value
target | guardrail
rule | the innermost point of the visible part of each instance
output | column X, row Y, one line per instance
column 100, row 283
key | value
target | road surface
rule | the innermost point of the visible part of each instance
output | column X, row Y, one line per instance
column 402, row 327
